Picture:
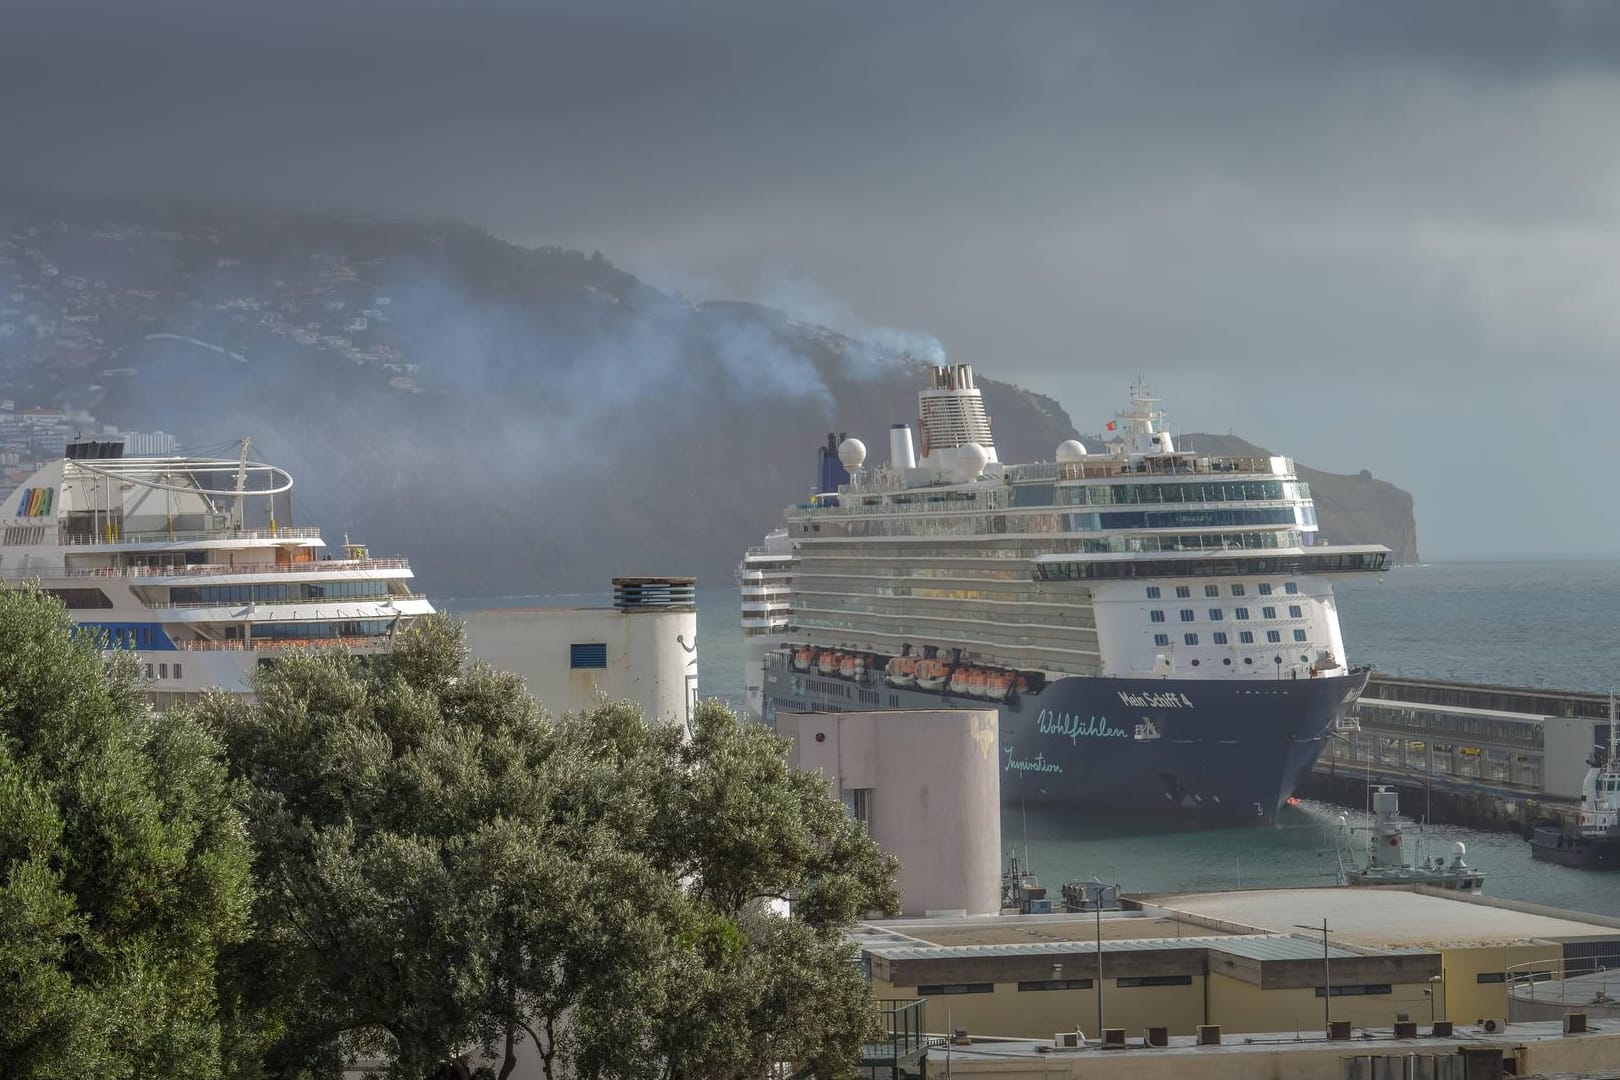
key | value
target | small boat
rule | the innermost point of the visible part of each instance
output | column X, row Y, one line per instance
column 976, row 680
column 931, row 674
column 1593, row 842
column 997, row 684
column 959, row 681
column 829, row 662
column 853, row 666
column 803, row 659
column 1393, row 858
column 901, row 671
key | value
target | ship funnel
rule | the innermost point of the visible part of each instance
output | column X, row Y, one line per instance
column 952, row 416
column 901, row 454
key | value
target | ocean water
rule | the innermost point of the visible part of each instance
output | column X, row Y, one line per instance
column 1554, row 625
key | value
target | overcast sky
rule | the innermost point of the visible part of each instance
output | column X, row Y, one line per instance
column 1370, row 235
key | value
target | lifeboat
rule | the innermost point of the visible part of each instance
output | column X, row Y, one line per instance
column 803, row 658
column 901, row 671
column 960, row 680
column 829, row 662
column 931, row 674
column 978, row 679
column 996, row 685
column 852, row 666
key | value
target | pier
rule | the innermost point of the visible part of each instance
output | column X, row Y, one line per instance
column 1496, row 757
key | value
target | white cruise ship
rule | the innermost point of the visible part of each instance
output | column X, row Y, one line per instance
column 184, row 562
column 1157, row 628
column 765, row 582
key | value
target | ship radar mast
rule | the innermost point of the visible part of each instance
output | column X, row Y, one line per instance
column 1142, row 428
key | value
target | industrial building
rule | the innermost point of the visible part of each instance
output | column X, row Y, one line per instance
column 642, row 649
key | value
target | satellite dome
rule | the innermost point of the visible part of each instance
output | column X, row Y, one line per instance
column 1459, row 849
column 972, row 458
column 851, row 452
column 1071, row 450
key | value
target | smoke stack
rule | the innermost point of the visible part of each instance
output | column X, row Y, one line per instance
column 901, row 455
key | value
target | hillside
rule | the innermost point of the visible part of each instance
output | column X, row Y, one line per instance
column 515, row 420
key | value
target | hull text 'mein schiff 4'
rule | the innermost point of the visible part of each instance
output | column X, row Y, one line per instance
column 1157, row 628
column 191, row 564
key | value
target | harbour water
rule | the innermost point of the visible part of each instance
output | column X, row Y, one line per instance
column 1523, row 624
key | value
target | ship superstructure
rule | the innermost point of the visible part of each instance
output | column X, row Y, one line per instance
column 1157, row 626
column 183, row 561
column 765, row 583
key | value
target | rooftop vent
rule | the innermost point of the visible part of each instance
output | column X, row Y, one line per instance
column 94, row 450
column 632, row 594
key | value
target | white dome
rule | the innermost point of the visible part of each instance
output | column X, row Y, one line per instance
column 971, row 458
column 851, row 452
column 1459, row 849
column 1071, row 450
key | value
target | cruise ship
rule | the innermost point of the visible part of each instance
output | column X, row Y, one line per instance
column 765, row 583
column 1157, row 628
column 191, row 564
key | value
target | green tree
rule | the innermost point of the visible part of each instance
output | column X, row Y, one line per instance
column 448, row 877
column 124, row 867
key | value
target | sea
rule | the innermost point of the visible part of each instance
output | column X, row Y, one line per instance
column 1544, row 624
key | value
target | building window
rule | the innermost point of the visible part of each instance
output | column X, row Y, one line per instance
column 1299, row 635
column 1237, row 590
column 1215, row 614
column 1295, row 611
column 1240, row 614
column 1357, row 989
column 1265, row 590
column 1212, row 590
column 1164, row 980
column 1153, row 592
column 1246, row 637
column 1191, row 639
column 939, row 990
column 1220, row 638
column 1487, row 977
column 1186, row 614
column 1056, row 984
column 1161, row 640
column 1273, row 636
column 1268, row 613
column 1183, row 591
column 1156, row 615
column 1290, row 588
column 588, row 655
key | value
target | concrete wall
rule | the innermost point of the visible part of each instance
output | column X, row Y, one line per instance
column 1039, row 1014
column 1466, row 997
column 651, row 656
column 934, row 795
column 1240, row 1006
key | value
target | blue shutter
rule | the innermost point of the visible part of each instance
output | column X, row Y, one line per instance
column 590, row 655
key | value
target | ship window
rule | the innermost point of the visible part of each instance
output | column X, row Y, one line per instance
column 163, row 671
column 1265, row 589
column 1190, row 639
column 1268, row 613
column 1240, row 613
column 1161, row 639
column 1237, row 590
column 1248, row 659
column 1186, row 614
column 148, row 671
column 1273, row 636
column 1247, row 638
column 1183, row 591
column 1156, row 616
column 177, row 671
column 588, row 655
column 1215, row 614
column 1295, row 612
column 1153, row 592
column 1290, row 588
column 79, row 599
column 1212, row 590
column 1299, row 635
column 1220, row 637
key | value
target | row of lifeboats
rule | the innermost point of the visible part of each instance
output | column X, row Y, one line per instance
column 924, row 673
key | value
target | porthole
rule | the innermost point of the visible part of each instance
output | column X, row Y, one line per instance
column 1227, row 661
column 1195, row 663
column 1248, row 659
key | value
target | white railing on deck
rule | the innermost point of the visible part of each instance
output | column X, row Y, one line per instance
column 163, row 536
column 270, row 644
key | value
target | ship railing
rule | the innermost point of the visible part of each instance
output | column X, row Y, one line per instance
column 115, row 535
column 277, row 644
column 238, row 604
column 335, row 566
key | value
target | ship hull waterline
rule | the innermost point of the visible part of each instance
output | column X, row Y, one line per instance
column 1211, row 751
column 1551, row 844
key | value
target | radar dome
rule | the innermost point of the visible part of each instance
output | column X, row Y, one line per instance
column 1459, row 849
column 851, row 452
column 971, row 458
column 1071, row 450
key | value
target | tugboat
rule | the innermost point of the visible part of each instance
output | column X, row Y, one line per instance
column 1395, row 859
column 1594, row 843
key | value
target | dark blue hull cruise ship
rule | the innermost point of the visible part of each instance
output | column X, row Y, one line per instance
column 1156, row 628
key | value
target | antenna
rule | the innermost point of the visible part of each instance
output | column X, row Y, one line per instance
column 241, row 482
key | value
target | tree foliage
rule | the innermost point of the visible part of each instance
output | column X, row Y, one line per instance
column 124, row 867
column 449, row 879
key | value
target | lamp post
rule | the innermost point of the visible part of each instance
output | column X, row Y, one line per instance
column 1434, row 992
column 1098, row 905
column 1327, row 981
